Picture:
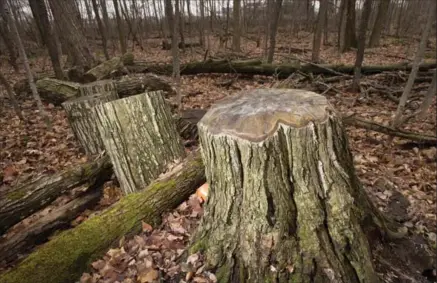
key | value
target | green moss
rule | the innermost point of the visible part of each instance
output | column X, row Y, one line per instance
column 223, row 273
column 16, row 195
column 198, row 246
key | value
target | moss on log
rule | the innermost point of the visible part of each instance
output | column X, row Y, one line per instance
column 82, row 117
column 140, row 137
column 64, row 258
column 19, row 202
column 284, row 204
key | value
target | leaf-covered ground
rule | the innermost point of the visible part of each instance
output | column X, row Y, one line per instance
column 399, row 176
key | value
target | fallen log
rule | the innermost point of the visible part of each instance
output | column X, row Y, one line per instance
column 57, row 91
column 65, row 257
column 21, row 241
column 19, row 202
column 369, row 125
column 167, row 45
column 258, row 68
column 103, row 70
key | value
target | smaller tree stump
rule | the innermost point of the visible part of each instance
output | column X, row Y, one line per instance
column 140, row 137
column 82, row 119
column 284, row 204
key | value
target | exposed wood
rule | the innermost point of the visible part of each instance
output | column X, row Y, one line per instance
column 82, row 119
column 66, row 256
column 283, row 186
column 37, row 232
column 19, row 202
column 103, row 70
column 140, row 136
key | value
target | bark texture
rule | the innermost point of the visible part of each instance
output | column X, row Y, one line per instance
column 103, row 70
column 284, row 204
column 82, row 117
column 140, row 136
column 19, row 202
column 66, row 256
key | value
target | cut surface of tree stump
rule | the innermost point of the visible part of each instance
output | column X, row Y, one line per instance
column 83, row 121
column 284, row 203
column 140, row 136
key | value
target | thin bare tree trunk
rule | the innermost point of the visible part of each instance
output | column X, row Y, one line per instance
column 236, row 26
column 273, row 28
column 120, row 28
column 317, row 41
column 381, row 17
column 102, row 29
column 202, row 22
column 29, row 74
column 419, row 55
column 12, row 97
column 367, row 7
column 7, row 35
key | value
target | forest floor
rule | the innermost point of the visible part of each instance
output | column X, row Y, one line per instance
column 400, row 177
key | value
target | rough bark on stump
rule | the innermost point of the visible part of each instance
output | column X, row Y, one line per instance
column 284, row 203
column 20, row 202
column 140, row 136
column 57, row 91
column 99, row 87
column 82, row 120
column 65, row 257
column 104, row 69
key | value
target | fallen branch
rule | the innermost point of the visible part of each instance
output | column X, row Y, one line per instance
column 361, row 123
column 19, row 202
column 64, row 258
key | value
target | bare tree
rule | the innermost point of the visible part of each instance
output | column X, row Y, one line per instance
column 273, row 28
column 236, row 26
column 7, row 35
column 347, row 36
column 397, row 120
column 39, row 10
column 317, row 40
column 202, row 22
column 23, row 56
column 367, row 8
column 65, row 14
column 11, row 95
column 120, row 29
column 102, row 29
column 380, row 20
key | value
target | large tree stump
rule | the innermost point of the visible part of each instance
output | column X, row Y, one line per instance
column 82, row 117
column 140, row 136
column 285, row 204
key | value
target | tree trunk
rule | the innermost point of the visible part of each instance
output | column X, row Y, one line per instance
column 103, row 70
column 202, row 23
column 317, row 40
column 140, row 136
column 81, row 115
column 106, row 19
column 19, row 202
column 367, row 8
column 347, row 37
column 29, row 73
column 236, row 22
column 102, row 29
column 40, row 10
column 417, row 59
column 66, row 256
column 120, row 29
column 64, row 13
column 381, row 18
column 8, row 35
column 11, row 96
column 273, row 28
column 21, row 242
column 284, row 203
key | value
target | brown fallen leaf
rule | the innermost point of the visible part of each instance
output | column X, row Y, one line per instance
column 148, row 275
column 147, row 228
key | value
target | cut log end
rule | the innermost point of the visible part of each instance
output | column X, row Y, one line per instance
column 256, row 116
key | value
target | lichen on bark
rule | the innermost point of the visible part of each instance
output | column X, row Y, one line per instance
column 286, row 207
